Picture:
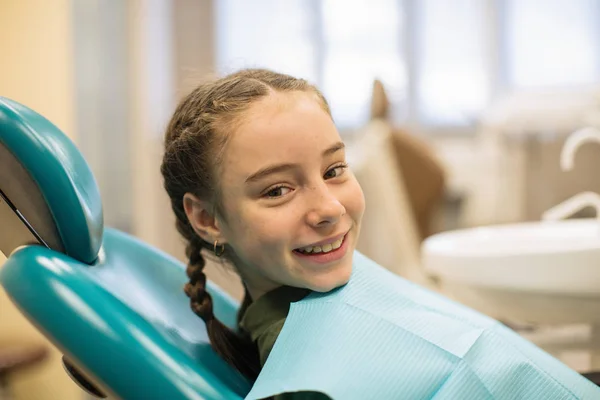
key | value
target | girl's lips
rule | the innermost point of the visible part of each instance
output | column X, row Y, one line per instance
column 324, row 258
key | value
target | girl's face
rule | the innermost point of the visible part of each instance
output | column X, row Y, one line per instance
column 293, row 209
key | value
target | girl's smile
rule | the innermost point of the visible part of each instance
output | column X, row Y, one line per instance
column 324, row 252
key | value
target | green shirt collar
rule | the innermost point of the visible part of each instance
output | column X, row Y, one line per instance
column 270, row 308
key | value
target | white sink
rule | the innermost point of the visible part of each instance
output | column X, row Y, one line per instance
column 544, row 272
column 541, row 272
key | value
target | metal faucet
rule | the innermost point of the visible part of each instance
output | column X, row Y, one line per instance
column 574, row 142
column 567, row 161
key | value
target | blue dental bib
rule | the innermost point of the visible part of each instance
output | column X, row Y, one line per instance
column 382, row 337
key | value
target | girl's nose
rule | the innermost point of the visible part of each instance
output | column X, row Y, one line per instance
column 325, row 209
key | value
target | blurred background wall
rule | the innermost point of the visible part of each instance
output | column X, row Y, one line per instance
column 36, row 68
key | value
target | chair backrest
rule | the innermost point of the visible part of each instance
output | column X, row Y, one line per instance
column 112, row 304
column 423, row 173
column 389, row 233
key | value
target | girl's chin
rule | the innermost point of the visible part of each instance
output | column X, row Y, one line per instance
column 328, row 283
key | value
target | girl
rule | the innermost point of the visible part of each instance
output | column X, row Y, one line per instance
column 256, row 173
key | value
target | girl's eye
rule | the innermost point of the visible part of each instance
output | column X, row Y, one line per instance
column 336, row 171
column 276, row 192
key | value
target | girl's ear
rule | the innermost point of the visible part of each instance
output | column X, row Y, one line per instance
column 202, row 219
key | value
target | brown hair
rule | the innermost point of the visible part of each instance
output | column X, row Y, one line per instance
column 194, row 144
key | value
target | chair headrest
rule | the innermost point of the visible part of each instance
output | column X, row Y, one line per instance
column 46, row 178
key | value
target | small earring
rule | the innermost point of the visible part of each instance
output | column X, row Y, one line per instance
column 222, row 250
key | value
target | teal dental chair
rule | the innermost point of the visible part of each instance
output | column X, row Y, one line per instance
column 113, row 305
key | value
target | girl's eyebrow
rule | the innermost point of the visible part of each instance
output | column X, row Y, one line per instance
column 264, row 172
column 272, row 169
column 336, row 147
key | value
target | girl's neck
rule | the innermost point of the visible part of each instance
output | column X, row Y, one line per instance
column 256, row 291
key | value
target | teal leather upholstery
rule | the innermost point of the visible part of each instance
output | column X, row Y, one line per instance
column 113, row 305
column 124, row 319
column 62, row 175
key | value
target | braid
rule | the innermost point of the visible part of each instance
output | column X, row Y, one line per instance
column 195, row 289
column 237, row 349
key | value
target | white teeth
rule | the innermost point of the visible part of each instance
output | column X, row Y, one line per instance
column 337, row 244
column 326, row 248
